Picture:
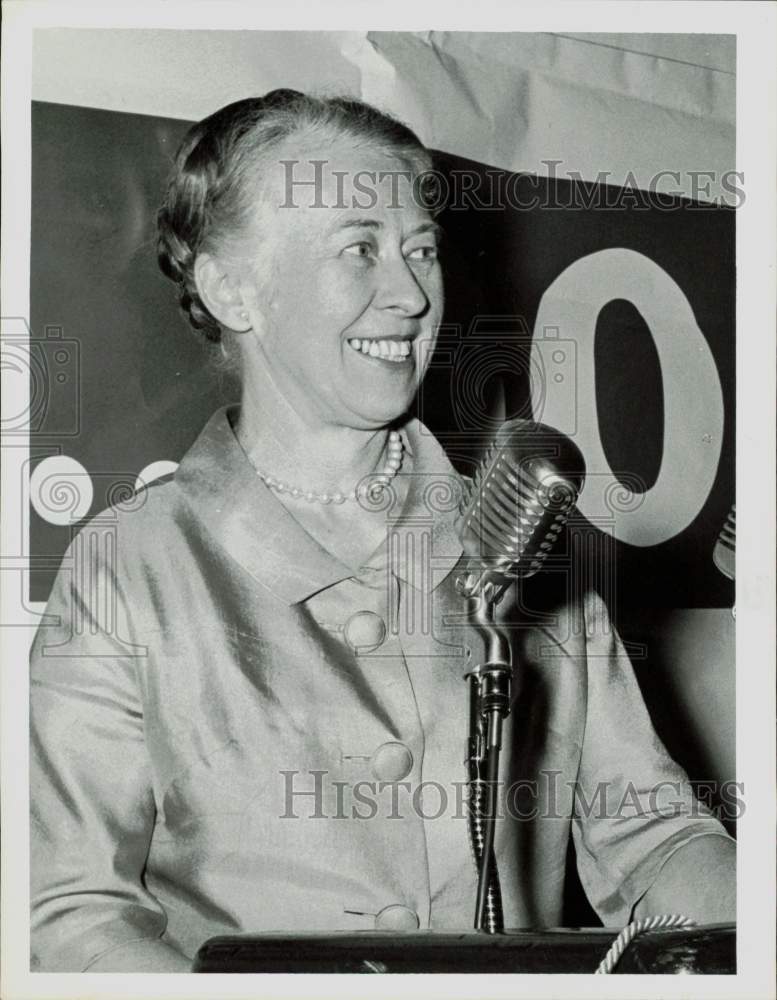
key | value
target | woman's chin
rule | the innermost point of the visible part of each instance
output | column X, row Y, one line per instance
column 370, row 408
column 382, row 413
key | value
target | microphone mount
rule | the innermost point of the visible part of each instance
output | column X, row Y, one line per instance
column 490, row 685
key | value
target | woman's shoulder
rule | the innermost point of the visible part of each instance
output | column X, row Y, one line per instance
column 140, row 524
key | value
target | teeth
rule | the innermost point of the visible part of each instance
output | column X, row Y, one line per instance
column 388, row 350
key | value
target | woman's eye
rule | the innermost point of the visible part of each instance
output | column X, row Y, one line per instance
column 359, row 250
column 423, row 253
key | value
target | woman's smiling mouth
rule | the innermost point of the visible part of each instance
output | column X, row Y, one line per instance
column 397, row 351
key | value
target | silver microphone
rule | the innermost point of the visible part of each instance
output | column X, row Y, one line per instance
column 725, row 551
column 520, row 499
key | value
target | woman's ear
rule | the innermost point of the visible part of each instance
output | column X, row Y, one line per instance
column 220, row 292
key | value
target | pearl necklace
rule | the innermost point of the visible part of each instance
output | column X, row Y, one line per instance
column 372, row 488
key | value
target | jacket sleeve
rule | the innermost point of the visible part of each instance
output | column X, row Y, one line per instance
column 634, row 807
column 92, row 807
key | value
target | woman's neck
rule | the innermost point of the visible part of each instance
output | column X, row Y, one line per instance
column 282, row 443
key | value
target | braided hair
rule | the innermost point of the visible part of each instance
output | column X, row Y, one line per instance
column 208, row 195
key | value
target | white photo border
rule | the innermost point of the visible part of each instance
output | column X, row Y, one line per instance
column 755, row 25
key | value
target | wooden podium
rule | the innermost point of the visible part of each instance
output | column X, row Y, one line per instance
column 710, row 949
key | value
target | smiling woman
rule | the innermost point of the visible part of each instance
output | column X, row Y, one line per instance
column 278, row 621
column 300, row 235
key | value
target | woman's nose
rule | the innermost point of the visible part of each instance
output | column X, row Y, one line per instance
column 399, row 289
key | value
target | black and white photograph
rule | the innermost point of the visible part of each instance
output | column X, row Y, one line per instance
column 378, row 404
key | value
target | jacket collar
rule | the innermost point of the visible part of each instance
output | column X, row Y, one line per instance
column 243, row 516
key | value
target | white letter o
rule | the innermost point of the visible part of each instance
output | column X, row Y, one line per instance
column 693, row 398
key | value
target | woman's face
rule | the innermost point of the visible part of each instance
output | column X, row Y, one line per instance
column 342, row 283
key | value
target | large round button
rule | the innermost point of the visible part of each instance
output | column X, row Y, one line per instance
column 397, row 918
column 364, row 631
column 392, row 762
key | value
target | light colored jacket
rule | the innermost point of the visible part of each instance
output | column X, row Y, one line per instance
column 234, row 732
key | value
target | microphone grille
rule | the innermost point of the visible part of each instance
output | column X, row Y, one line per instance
column 521, row 497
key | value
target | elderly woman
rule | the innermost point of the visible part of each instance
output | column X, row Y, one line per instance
column 265, row 729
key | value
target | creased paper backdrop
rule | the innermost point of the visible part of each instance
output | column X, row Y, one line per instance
column 518, row 101
column 640, row 104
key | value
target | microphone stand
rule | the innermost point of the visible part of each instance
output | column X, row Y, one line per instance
column 511, row 514
column 490, row 698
